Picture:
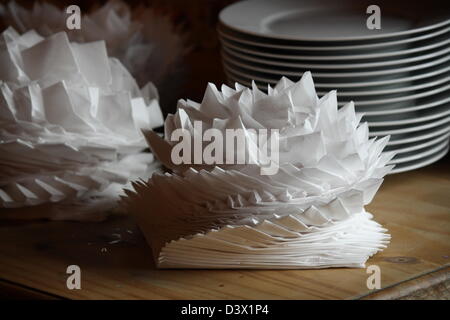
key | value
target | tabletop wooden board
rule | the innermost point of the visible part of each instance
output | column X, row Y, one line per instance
column 414, row 206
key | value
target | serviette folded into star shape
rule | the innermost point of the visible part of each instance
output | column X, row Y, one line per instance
column 309, row 214
column 70, row 124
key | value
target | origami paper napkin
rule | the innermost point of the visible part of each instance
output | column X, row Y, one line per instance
column 70, row 122
column 309, row 214
column 145, row 41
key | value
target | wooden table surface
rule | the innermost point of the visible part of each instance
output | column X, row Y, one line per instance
column 414, row 206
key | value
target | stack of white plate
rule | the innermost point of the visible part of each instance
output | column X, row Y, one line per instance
column 398, row 76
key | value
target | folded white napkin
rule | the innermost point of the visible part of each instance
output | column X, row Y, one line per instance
column 310, row 214
column 145, row 41
column 70, row 122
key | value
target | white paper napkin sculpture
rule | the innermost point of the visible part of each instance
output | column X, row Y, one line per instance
column 309, row 214
column 70, row 124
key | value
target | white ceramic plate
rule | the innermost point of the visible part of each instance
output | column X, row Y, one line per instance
column 398, row 139
column 418, row 75
column 396, row 88
column 417, row 145
column 441, row 56
column 336, row 66
column 441, row 100
column 374, row 48
column 423, row 84
column 251, row 68
column 442, row 79
column 272, row 57
column 402, row 101
column 415, row 155
column 408, row 118
column 329, row 20
column 408, row 128
column 419, row 163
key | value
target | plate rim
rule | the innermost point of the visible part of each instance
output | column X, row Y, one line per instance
column 410, row 129
column 236, row 6
column 421, row 145
column 342, row 47
column 279, row 73
column 379, row 64
column 429, row 135
column 261, row 53
column 426, row 93
column 396, row 90
column 407, row 121
column 425, row 106
column 427, row 162
column 432, row 149
column 333, row 86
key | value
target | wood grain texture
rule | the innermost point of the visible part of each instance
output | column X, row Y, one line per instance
column 14, row 291
column 430, row 286
column 414, row 206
